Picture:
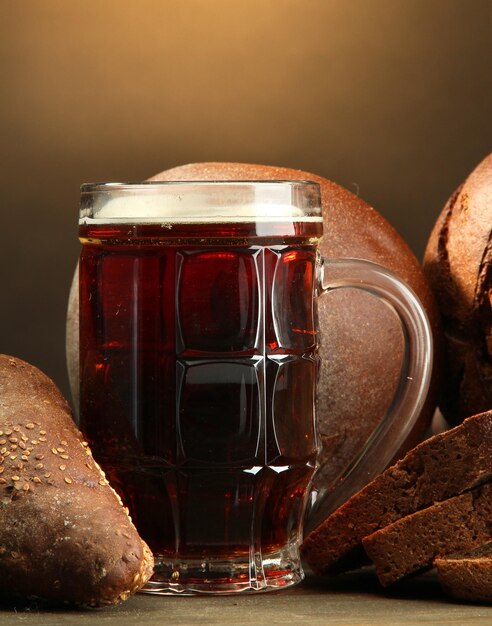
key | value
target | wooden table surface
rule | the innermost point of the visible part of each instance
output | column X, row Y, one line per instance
column 353, row 600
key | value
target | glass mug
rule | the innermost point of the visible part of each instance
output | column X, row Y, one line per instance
column 198, row 370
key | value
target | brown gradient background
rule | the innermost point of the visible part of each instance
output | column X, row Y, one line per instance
column 390, row 98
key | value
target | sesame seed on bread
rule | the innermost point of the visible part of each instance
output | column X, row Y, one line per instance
column 64, row 534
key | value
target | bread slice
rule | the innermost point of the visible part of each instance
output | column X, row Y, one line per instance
column 467, row 575
column 64, row 534
column 441, row 467
column 413, row 542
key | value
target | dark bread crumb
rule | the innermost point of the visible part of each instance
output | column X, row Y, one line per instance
column 415, row 541
column 467, row 575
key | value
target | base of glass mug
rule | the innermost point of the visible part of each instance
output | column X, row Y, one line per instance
column 257, row 573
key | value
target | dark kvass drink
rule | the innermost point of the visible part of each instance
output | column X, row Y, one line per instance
column 198, row 367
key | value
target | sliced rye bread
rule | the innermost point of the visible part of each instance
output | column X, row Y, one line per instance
column 467, row 575
column 439, row 468
column 415, row 541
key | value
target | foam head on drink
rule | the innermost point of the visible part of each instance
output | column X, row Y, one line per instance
column 172, row 205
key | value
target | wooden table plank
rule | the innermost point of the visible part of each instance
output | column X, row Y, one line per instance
column 350, row 600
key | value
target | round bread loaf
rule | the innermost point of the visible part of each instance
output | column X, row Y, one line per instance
column 362, row 343
column 458, row 263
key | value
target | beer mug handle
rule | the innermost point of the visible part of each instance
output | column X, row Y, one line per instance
column 415, row 377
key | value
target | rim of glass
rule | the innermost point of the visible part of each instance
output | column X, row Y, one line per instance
column 147, row 184
column 200, row 201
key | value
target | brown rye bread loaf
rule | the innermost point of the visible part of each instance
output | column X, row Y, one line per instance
column 415, row 541
column 458, row 263
column 361, row 347
column 441, row 467
column 64, row 534
column 467, row 575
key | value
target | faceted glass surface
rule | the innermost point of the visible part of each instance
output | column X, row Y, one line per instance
column 218, row 301
column 199, row 366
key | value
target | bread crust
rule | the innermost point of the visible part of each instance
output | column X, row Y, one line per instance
column 458, row 263
column 64, row 534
